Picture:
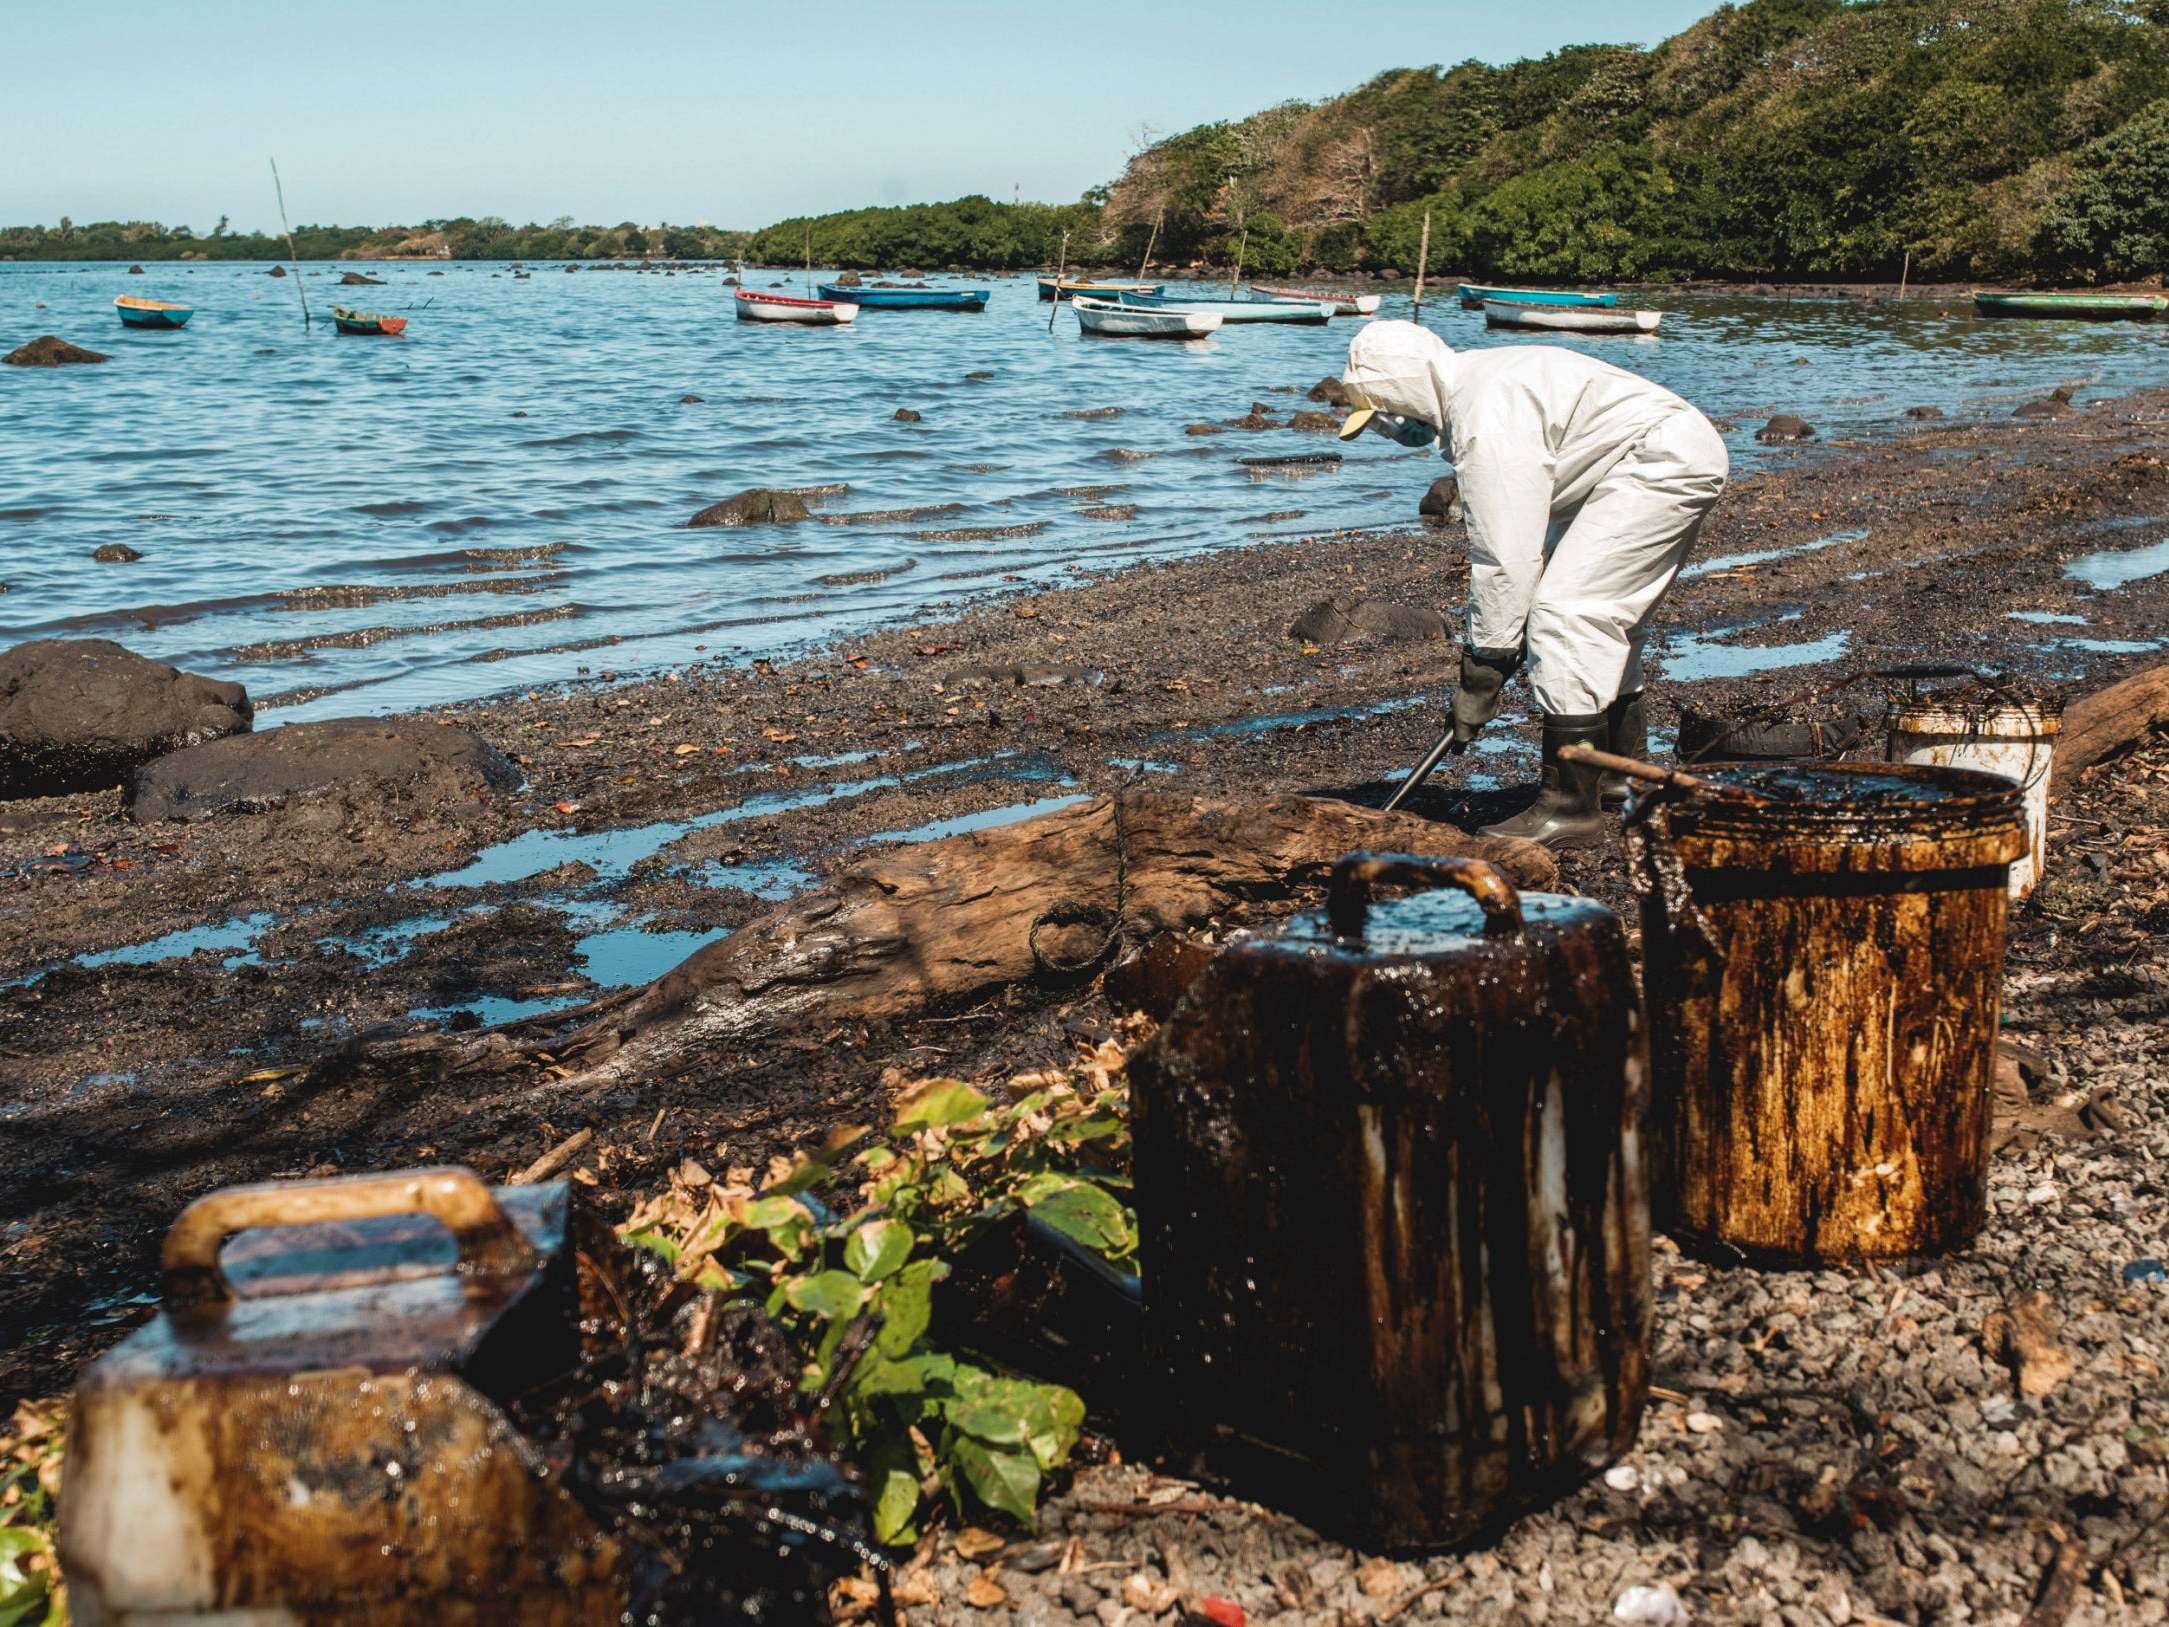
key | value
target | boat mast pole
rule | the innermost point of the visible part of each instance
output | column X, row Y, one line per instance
column 1423, row 264
column 290, row 252
column 1061, row 260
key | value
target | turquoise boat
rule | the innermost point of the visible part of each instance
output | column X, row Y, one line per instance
column 908, row 297
column 2084, row 307
column 1234, row 310
column 152, row 313
column 1473, row 296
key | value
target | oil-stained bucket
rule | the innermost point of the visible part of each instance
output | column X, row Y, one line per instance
column 1395, row 1229
column 1823, row 961
column 2016, row 740
column 311, row 1431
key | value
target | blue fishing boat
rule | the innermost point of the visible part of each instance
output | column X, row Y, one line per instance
column 1473, row 296
column 152, row 313
column 875, row 296
column 1239, row 309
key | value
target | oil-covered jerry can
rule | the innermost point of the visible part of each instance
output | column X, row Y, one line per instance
column 1395, row 1229
column 311, row 1430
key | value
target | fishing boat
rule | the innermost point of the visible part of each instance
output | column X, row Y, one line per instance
column 1073, row 286
column 2084, row 307
column 1343, row 304
column 1114, row 320
column 1237, row 310
column 367, row 322
column 1474, row 296
column 152, row 313
column 874, row 297
column 1499, row 313
column 817, row 313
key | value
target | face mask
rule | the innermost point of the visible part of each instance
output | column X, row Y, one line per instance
column 1403, row 431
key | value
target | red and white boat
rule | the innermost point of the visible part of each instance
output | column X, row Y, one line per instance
column 1343, row 304
column 818, row 313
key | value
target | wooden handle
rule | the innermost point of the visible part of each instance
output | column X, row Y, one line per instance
column 489, row 1244
column 1348, row 894
column 1650, row 774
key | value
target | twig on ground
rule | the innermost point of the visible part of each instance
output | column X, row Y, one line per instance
column 553, row 1160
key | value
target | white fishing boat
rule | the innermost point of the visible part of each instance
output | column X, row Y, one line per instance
column 1241, row 309
column 818, row 313
column 1500, row 313
column 1343, row 304
column 1113, row 321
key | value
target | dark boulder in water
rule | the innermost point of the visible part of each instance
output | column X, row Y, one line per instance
column 1201, row 429
column 114, row 553
column 135, row 271
column 1332, row 392
column 276, row 271
column 690, row 400
column 904, row 415
column 2047, row 407
column 372, row 759
column 50, row 351
column 1442, row 501
column 1924, row 412
column 357, row 279
column 1785, row 427
column 81, row 714
column 760, row 506
column 850, row 279
column 1339, row 621
column 1315, row 423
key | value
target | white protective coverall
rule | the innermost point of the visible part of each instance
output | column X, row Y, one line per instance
column 1584, row 487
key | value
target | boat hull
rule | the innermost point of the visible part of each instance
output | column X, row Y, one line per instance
column 1107, row 319
column 152, row 313
column 367, row 324
column 1568, row 319
column 1343, row 304
column 1237, row 310
column 806, row 313
column 908, row 299
column 2074, row 307
column 1474, row 296
column 1094, row 290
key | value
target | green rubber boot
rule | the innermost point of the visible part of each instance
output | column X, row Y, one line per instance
column 1626, row 734
column 1566, row 813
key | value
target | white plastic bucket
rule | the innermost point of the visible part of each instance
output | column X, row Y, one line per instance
column 2016, row 741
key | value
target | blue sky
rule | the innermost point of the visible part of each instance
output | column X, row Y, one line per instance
column 654, row 110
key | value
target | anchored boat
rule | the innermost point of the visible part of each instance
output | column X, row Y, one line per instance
column 152, row 313
column 874, row 297
column 1236, row 310
column 2084, row 307
column 1499, row 313
column 1114, row 320
column 1072, row 286
column 367, row 323
column 1343, row 304
column 818, row 313
column 1474, row 295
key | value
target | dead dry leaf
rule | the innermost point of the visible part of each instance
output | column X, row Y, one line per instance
column 2023, row 1336
column 984, row 1592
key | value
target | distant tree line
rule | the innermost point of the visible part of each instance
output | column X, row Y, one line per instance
column 1774, row 138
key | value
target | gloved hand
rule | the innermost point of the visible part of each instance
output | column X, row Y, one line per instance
column 1476, row 702
column 1402, row 431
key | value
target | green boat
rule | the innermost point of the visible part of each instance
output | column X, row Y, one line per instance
column 2083, row 307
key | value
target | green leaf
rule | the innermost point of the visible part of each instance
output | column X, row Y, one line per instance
column 878, row 1248
column 767, row 1213
column 896, row 1505
column 833, row 1294
column 21, row 1591
column 1090, row 1216
column 1006, row 1481
column 656, row 1243
column 912, row 1376
column 906, row 1304
column 806, row 1172
column 1015, row 1412
column 937, row 1103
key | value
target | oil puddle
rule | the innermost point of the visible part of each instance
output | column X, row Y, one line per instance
column 2119, row 567
column 237, row 934
column 1692, row 657
column 1733, row 562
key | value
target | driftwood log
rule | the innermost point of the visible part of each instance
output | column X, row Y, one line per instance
column 2107, row 721
column 952, row 920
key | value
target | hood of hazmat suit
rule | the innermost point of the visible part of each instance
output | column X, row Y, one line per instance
column 1531, row 431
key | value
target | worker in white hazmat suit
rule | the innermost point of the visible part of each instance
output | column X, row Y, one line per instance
column 1584, row 487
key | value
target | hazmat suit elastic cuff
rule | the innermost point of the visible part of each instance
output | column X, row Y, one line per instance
column 1483, row 675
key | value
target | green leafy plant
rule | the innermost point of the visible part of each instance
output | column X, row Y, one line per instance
column 846, row 1249
column 30, row 1454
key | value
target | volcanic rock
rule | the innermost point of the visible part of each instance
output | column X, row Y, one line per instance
column 355, row 758
column 1785, row 427
column 760, row 506
column 80, row 714
column 50, row 351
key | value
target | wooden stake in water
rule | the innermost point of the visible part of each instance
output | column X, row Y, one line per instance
column 1149, row 242
column 809, row 260
column 1061, row 262
column 1240, row 249
column 1905, row 273
column 1423, row 264
column 290, row 253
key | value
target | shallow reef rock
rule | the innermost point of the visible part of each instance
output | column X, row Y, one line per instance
column 760, row 506
column 81, row 714
column 1785, row 427
column 343, row 759
column 50, row 350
